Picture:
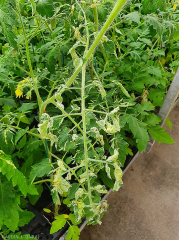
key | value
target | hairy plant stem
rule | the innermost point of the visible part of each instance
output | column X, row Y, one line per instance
column 28, row 57
column 42, row 181
column 83, row 112
column 95, row 14
column 117, row 8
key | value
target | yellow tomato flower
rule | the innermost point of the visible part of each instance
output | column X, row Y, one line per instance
column 18, row 92
column 174, row 6
column 25, row 80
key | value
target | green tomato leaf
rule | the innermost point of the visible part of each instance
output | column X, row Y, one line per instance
column 58, row 224
column 45, row 8
column 109, row 47
column 25, row 217
column 9, row 34
column 8, row 102
column 158, row 133
column 134, row 17
column 139, row 133
column 27, row 106
column 8, row 169
column 169, row 123
column 9, row 215
column 73, row 233
column 40, row 169
column 7, row 141
column 20, row 134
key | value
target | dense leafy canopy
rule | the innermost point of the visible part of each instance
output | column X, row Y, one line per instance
column 71, row 116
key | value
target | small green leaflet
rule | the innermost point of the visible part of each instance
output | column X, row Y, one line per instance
column 5, row 79
column 8, row 102
column 20, row 134
column 154, row 21
column 122, row 146
column 32, row 145
column 8, row 169
column 72, row 190
column 21, row 143
column 10, row 36
column 58, row 224
column 33, row 197
column 52, row 58
column 40, row 169
column 134, row 17
column 7, row 141
column 169, row 123
column 27, row 106
column 139, row 133
column 157, row 96
column 73, row 233
column 25, row 217
column 109, row 47
column 8, row 200
column 158, row 133
column 45, row 8
column 152, row 120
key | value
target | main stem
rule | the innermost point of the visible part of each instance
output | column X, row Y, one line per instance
column 83, row 112
column 28, row 58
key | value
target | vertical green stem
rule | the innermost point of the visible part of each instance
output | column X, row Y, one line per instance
column 83, row 112
column 95, row 14
column 28, row 57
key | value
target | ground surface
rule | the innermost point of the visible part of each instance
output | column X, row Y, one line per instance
column 147, row 205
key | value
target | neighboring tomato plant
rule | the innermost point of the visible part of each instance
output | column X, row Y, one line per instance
column 80, row 89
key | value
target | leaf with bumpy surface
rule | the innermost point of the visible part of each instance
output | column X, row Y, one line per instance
column 25, row 217
column 9, row 215
column 134, row 17
column 152, row 120
column 7, row 141
column 73, row 233
column 20, row 134
column 32, row 144
column 122, row 146
column 8, row 169
column 45, row 8
column 10, row 36
column 58, row 224
column 158, row 133
column 40, row 169
column 139, row 133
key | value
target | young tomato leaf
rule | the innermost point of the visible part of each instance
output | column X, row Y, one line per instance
column 25, row 217
column 139, row 133
column 45, row 8
column 7, row 141
column 158, row 133
column 8, row 169
column 58, row 224
column 73, row 233
column 20, row 134
column 40, row 169
column 8, row 201
column 169, row 123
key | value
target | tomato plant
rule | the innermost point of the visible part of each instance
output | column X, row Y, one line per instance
column 80, row 89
